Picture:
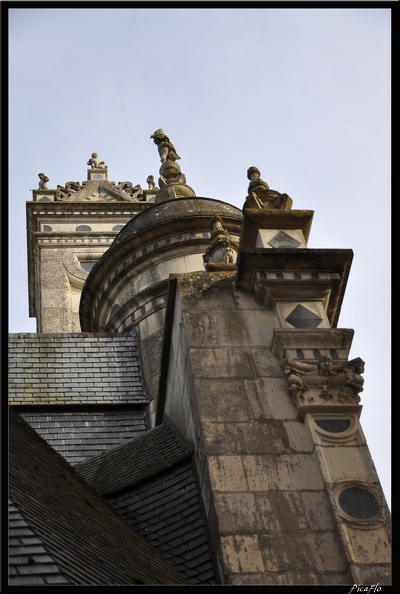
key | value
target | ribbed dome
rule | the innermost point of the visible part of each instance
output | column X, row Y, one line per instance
column 133, row 273
column 176, row 210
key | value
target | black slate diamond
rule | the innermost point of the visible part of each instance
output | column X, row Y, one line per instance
column 301, row 317
column 283, row 240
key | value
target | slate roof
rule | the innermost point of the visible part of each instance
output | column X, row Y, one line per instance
column 133, row 461
column 77, row 433
column 29, row 562
column 151, row 483
column 84, row 539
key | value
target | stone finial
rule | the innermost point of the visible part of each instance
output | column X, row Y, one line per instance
column 43, row 179
column 95, row 163
column 166, row 149
column 261, row 196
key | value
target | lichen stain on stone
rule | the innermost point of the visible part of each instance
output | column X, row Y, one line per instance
column 199, row 285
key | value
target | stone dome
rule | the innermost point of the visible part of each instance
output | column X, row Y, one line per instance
column 165, row 238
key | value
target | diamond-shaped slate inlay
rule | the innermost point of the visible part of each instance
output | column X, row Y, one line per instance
column 283, row 240
column 301, row 317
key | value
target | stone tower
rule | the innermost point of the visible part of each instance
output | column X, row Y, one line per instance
column 237, row 325
column 69, row 228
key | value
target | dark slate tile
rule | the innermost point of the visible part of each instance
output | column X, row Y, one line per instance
column 82, row 534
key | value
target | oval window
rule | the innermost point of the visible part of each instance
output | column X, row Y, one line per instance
column 83, row 228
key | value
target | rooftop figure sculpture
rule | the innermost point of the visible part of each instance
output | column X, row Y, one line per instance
column 43, row 179
column 166, row 149
column 151, row 183
column 131, row 190
column 95, row 163
column 261, row 196
column 256, row 183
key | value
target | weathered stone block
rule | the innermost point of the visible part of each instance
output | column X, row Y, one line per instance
column 238, row 510
column 368, row 546
column 245, row 438
column 344, row 462
column 290, row 511
column 281, row 471
column 200, row 329
column 275, row 579
column 371, row 574
column 203, row 290
column 242, row 554
column 227, row 473
column 261, row 472
column 326, row 551
column 318, row 551
column 268, row 398
column 222, row 400
column 244, row 328
column 217, row 363
column 298, row 472
column 266, row 364
column 299, row 437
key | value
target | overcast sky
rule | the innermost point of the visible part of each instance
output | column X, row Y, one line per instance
column 303, row 94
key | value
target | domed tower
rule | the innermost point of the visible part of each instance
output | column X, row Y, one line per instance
column 237, row 320
column 128, row 286
column 68, row 228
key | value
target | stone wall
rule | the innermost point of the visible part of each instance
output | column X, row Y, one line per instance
column 264, row 481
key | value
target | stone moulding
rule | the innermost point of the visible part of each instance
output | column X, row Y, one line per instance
column 270, row 288
column 252, row 262
column 256, row 219
column 285, row 342
column 324, row 380
column 324, row 385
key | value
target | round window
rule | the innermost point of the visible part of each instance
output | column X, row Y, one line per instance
column 358, row 503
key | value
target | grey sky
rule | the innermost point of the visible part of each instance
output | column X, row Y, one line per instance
column 303, row 94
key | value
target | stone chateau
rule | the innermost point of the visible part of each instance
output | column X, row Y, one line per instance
column 187, row 412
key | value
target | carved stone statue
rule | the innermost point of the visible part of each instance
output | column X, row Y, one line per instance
column 256, row 183
column 166, row 149
column 43, row 179
column 95, row 163
column 151, row 183
column 261, row 196
column 336, row 381
column 67, row 192
column 131, row 190
column 222, row 252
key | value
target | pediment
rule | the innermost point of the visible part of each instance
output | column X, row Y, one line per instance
column 99, row 191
